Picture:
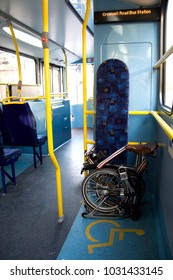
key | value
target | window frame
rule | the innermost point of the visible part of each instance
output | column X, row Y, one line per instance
column 163, row 48
column 53, row 67
column 71, row 6
column 24, row 56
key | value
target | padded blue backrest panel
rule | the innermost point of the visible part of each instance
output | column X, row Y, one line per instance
column 112, row 100
column 4, row 131
column 20, row 125
column 1, row 146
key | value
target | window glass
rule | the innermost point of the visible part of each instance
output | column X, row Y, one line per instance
column 168, row 83
column 75, row 83
column 9, row 71
column 168, row 97
column 56, row 82
column 80, row 7
column 169, row 24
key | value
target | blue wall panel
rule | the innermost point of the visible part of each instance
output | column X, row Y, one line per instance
column 77, row 115
column 164, row 178
column 60, row 123
column 137, row 45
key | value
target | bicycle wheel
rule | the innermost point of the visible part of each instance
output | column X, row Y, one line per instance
column 104, row 191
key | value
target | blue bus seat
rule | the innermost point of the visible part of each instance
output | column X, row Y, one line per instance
column 19, row 129
column 8, row 157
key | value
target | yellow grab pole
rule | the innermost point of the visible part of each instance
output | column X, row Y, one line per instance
column 48, row 108
column 92, row 112
column 66, row 71
column 139, row 112
column 166, row 128
column 85, row 75
column 18, row 57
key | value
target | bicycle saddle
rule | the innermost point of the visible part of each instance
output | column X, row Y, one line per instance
column 143, row 149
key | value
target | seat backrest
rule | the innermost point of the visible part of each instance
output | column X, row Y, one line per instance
column 1, row 147
column 4, row 131
column 20, row 125
column 112, row 100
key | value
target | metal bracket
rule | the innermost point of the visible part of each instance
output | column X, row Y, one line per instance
column 45, row 40
column 123, row 173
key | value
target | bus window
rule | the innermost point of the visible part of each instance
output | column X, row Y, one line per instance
column 56, row 80
column 168, row 93
column 75, row 83
column 168, row 65
column 9, row 71
column 79, row 7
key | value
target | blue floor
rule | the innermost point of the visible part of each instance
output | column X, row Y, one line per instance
column 29, row 227
column 118, row 239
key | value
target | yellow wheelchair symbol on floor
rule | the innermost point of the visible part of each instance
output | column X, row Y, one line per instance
column 117, row 229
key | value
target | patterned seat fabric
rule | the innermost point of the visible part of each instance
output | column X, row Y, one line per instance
column 112, row 100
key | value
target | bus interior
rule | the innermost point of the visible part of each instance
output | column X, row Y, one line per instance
column 54, row 70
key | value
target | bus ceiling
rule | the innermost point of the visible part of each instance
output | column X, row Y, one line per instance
column 143, row 3
column 65, row 32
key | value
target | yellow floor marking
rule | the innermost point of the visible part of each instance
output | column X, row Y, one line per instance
column 120, row 231
column 88, row 228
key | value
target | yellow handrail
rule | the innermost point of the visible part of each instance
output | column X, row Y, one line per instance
column 48, row 109
column 92, row 112
column 129, row 143
column 84, row 75
column 139, row 112
column 19, row 100
column 23, row 99
column 14, row 84
column 17, row 55
column 164, row 57
column 66, row 71
column 13, row 100
column 59, row 94
column 166, row 128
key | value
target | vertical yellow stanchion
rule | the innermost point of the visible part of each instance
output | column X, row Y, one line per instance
column 85, row 76
column 19, row 87
column 66, row 71
column 45, row 14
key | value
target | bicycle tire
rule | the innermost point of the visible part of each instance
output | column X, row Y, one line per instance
column 103, row 191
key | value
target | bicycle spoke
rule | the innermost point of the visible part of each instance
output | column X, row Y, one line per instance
column 103, row 190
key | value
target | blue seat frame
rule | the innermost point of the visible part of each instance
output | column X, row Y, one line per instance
column 20, row 129
column 8, row 157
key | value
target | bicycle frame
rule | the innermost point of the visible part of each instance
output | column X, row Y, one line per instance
column 130, row 185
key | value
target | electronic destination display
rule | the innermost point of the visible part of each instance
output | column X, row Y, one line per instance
column 127, row 15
